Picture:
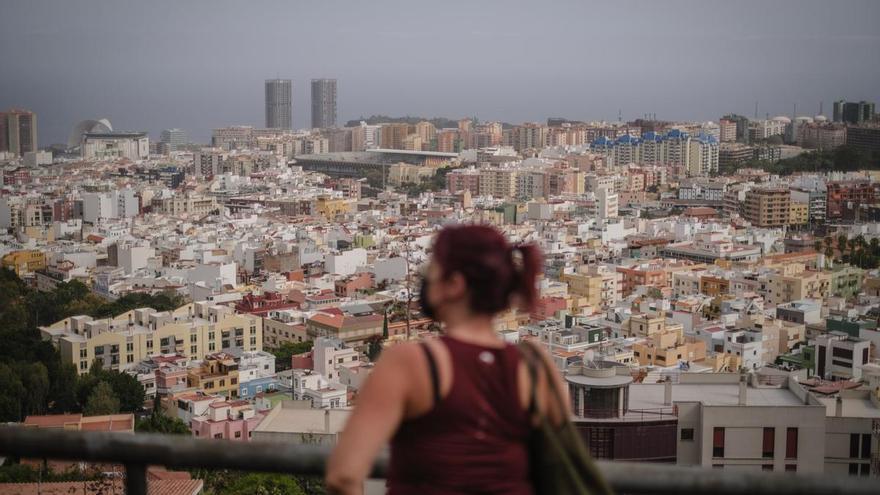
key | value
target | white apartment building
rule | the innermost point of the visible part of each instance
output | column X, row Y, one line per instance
column 115, row 145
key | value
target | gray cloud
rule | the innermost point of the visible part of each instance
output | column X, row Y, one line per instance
column 200, row 64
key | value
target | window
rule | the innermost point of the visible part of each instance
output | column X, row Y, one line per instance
column 791, row 444
column 860, row 453
column 193, row 338
column 791, row 468
column 193, row 349
column 210, row 335
column 239, row 332
column 99, row 350
column 83, row 365
column 253, row 330
column 164, row 342
column 842, row 353
column 83, row 353
column 769, row 441
column 149, row 344
column 211, row 346
column 129, row 358
column 114, row 349
column 853, row 448
column 129, row 347
column 222, row 383
column 218, row 435
column 253, row 341
column 767, row 467
column 853, row 467
column 687, row 433
column 238, row 434
column 718, row 442
column 233, row 381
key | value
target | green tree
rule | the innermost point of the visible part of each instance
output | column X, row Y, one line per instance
column 35, row 380
column 263, row 484
column 129, row 391
column 841, row 243
column 286, row 351
column 374, row 347
column 829, row 253
column 158, row 422
column 102, row 400
column 11, row 394
column 63, row 390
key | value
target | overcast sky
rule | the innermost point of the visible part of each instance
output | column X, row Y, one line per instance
column 200, row 64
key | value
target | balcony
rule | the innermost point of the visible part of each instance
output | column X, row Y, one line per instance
column 137, row 452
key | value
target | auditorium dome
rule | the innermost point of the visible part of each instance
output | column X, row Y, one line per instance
column 87, row 126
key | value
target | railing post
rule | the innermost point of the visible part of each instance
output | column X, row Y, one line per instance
column 135, row 479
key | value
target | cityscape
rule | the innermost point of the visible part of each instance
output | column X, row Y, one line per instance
column 710, row 288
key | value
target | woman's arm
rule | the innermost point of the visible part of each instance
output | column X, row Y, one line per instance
column 380, row 409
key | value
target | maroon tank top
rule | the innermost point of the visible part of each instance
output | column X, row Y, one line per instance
column 474, row 440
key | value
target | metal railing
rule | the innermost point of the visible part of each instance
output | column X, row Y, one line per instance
column 137, row 452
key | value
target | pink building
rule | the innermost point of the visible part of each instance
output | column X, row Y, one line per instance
column 234, row 420
column 546, row 307
column 463, row 180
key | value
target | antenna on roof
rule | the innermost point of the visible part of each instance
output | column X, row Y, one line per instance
column 756, row 109
column 794, row 113
column 820, row 108
column 619, row 115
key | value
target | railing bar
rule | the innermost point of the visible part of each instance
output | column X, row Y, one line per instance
column 135, row 479
column 281, row 457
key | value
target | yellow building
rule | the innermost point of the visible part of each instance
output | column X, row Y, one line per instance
column 596, row 284
column 645, row 325
column 798, row 214
column 25, row 261
column 194, row 330
column 426, row 131
column 403, row 173
column 217, row 375
column 413, row 142
column 330, row 208
column 664, row 343
column 649, row 354
column 770, row 207
column 794, row 282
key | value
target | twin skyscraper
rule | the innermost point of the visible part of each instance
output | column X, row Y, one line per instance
column 279, row 103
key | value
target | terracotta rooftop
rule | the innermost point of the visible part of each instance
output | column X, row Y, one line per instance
column 52, row 420
column 154, row 487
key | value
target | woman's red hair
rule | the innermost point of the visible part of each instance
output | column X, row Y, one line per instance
column 498, row 274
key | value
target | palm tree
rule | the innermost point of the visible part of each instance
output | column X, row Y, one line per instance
column 829, row 254
column 841, row 243
column 829, row 241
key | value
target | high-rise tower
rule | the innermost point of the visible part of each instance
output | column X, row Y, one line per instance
column 279, row 104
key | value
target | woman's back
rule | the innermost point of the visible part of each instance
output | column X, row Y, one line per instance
column 475, row 438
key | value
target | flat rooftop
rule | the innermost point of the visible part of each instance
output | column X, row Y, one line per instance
column 650, row 395
column 288, row 418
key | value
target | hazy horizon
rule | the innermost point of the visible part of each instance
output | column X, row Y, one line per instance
column 201, row 64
